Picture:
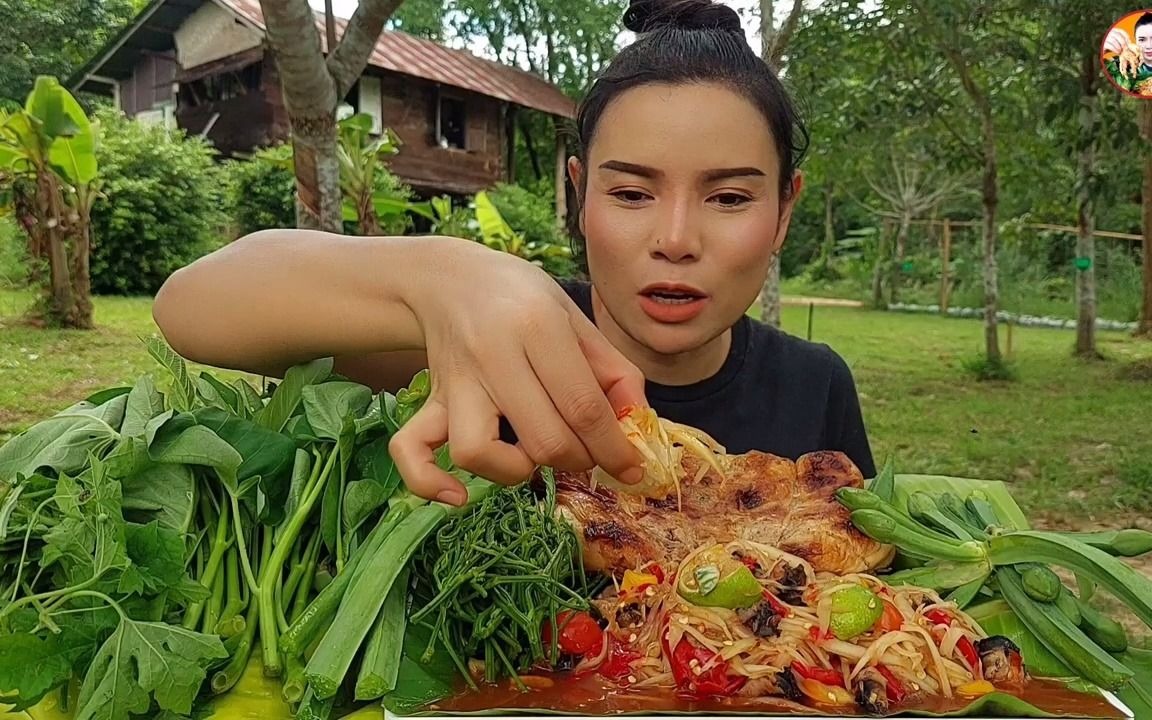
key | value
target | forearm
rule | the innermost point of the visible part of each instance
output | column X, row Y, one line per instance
column 277, row 298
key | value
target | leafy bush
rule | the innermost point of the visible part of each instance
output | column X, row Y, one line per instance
column 263, row 190
column 264, row 194
column 13, row 255
column 163, row 205
column 531, row 215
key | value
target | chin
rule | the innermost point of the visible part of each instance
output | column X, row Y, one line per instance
column 674, row 339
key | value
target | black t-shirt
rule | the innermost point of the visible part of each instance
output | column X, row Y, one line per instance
column 775, row 393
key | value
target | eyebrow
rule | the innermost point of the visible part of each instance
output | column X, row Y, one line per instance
column 709, row 175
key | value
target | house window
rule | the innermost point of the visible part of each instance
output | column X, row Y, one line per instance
column 451, row 121
column 223, row 86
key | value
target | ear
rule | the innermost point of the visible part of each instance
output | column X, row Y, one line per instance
column 786, row 208
column 576, row 175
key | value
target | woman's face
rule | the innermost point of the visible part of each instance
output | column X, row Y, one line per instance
column 1144, row 40
column 682, row 212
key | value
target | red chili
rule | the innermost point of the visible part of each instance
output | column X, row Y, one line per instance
column 816, row 636
column 968, row 650
column 713, row 681
column 777, row 607
column 658, row 572
column 938, row 617
column 894, row 688
column 827, row 676
column 619, row 663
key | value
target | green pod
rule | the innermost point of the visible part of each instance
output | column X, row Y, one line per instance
column 923, row 508
column 1131, row 542
column 942, row 576
column 1040, row 582
column 1057, row 633
column 1069, row 605
column 965, row 594
column 857, row 499
column 884, row 528
column 954, row 508
column 984, row 513
column 884, row 484
column 1107, row 633
column 1132, row 588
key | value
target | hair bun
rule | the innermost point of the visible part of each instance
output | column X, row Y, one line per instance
column 647, row 15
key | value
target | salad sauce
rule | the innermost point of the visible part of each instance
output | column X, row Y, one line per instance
column 591, row 694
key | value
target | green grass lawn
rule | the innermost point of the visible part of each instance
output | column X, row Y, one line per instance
column 1070, row 437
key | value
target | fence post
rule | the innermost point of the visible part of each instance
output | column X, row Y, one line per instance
column 811, row 311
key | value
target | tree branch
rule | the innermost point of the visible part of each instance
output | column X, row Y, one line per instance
column 292, row 34
column 360, row 35
column 781, row 39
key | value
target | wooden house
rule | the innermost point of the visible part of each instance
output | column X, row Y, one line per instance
column 204, row 66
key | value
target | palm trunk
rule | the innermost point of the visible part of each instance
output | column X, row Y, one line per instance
column 1085, row 217
column 82, row 276
column 1145, row 325
column 317, row 173
column 883, row 253
column 770, row 295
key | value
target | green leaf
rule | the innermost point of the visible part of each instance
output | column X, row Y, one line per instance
column 180, row 440
column 161, row 492
column 157, row 557
column 265, row 454
column 142, row 662
column 1138, row 695
column 89, row 540
column 30, row 668
column 420, row 682
column 144, row 403
column 328, row 405
column 102, row 396
column 493, row 228
column 46, row 105
column 286, row 399
column 62, row 443
column 111, row 411
column 183, row 395
column 73, row 154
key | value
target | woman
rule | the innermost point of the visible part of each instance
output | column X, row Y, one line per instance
column 686, row 178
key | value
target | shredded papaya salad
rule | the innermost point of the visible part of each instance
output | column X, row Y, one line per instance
column 747, row 620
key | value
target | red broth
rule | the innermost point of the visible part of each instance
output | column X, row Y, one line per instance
column 593, row 695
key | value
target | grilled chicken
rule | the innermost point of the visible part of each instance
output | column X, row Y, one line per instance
column 763, row 498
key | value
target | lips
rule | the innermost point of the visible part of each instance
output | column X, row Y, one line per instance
column 672, row 302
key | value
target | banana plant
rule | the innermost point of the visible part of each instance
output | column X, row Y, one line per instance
column 495, row 232
column 48, row 180
column 361, row 158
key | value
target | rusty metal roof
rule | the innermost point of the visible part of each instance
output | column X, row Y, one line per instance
column 403, row 53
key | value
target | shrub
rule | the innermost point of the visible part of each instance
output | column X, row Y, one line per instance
column 263, row 190
column 13, row 255
column 530, row 214
column 163, row 205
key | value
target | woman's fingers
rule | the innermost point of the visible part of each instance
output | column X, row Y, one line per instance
column 474, row 437
column 620, row 380
column 413, row 449
column 577, row 381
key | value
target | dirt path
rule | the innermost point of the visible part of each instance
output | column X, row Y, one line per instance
column 819, row 301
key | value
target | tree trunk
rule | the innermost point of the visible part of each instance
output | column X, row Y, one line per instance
column 883, row 257
column 1145, row 325
column 313, row 87
column 991, row 285
column 829, row 226
column 1085, row 217
column 898, row 263
column 770, row 293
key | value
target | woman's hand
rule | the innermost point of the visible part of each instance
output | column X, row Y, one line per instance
column 1116, row 41
column 503, row 339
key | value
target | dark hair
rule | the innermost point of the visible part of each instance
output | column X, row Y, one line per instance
column 1145, row 19
column 689, row 41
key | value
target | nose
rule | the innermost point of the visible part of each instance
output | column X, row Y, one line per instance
column 676, row 236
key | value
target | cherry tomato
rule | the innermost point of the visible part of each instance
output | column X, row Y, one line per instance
column 891, row 620
column 579, row 633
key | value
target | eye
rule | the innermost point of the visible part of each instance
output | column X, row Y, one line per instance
column 631, row 197
column 730, row 199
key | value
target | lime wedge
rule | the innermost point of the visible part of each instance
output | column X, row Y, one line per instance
column 736, row 588
column 854, row 611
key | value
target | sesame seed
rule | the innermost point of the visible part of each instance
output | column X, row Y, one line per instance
column 632, row 637
column 683, row 620
column 728, row 643
column 631, row 679
column 650, row 591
